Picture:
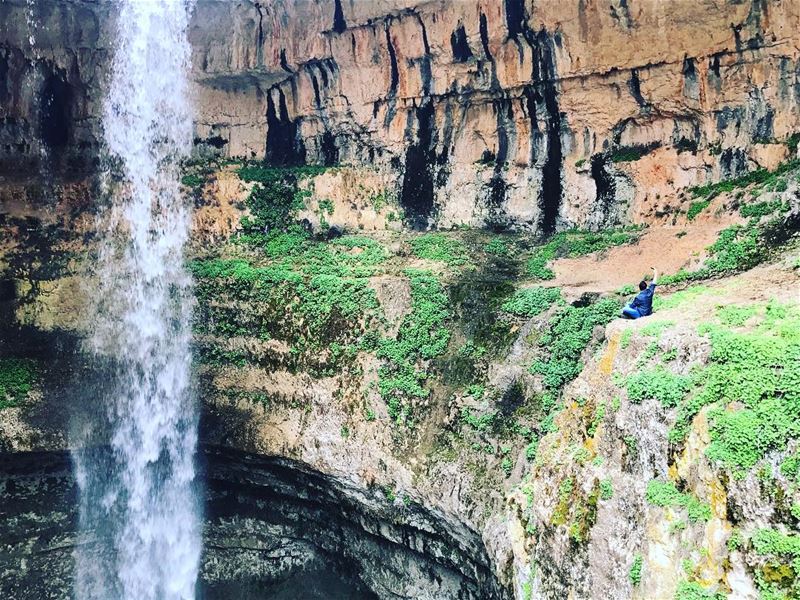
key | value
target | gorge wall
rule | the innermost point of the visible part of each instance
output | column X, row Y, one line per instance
column 372, row 418
column 513, row 113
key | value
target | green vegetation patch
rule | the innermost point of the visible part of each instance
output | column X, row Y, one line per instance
column 274, row 200
column 635, row 572
column 666, row 495
column 757, row 210
column 440, row 247
column 568, row 334
column 736, row 316
column 681, row 298
column 760, row 370
column 17, row 376
column 659, row 384
column 633, row 153
column 497, row 247
column 606, row 490
column 423, row 335
column 759, row 177
column 690, row 590
column 696, row 208
column 324, row 304
column 532, row 301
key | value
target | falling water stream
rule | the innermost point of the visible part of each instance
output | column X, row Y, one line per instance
column 138, row 505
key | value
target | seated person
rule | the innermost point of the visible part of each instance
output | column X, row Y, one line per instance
column 642, row 304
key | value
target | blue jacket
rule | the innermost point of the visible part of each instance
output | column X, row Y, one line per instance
column 644, row 300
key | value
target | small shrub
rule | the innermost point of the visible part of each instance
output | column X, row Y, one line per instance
column 635, row 572
column 606, row 490
column 439, row 247
column 530, row 302
column 659, row 384
column 17, row 376
column 632, row 153
column 696, row 208
column 665, row 494
column 758, row 210
column 497, row 247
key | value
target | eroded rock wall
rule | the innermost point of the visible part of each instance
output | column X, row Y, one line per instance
column 509, row 113
column 543, row 115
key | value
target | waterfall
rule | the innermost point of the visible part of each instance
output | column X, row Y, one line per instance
column 135, row 462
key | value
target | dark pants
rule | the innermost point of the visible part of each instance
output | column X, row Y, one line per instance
column 628, row 312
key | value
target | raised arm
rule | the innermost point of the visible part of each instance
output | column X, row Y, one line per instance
column 655, row 276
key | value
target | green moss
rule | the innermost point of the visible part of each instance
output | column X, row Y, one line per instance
column 440, row 247
column 17, row 376
column 529, row 302
column 659, row 384
column 696, row 208
column 635, row 572
column 665, row 494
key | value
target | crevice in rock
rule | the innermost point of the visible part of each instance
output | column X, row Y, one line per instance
column 284, row 63
column 516, row 19
column 460, row 45
column 635, row 88
column 339, row 24
column 260, row 37
column 417, row 197
column 550, row 200
column 604, row 185
column 284, row 145
column 395, row 73
column 55, row 112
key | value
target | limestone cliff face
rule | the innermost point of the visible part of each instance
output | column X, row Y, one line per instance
column 510, row 113
column 543, row 115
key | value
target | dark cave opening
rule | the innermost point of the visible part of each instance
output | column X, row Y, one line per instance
column 417, row 197
column 284, row 146
column 55, row 112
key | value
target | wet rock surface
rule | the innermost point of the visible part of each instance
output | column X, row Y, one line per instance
column 273, row 529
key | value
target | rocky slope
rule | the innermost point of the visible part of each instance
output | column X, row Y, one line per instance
column 459, row 404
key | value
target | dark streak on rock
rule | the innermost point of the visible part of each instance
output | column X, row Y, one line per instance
column 339, row 24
